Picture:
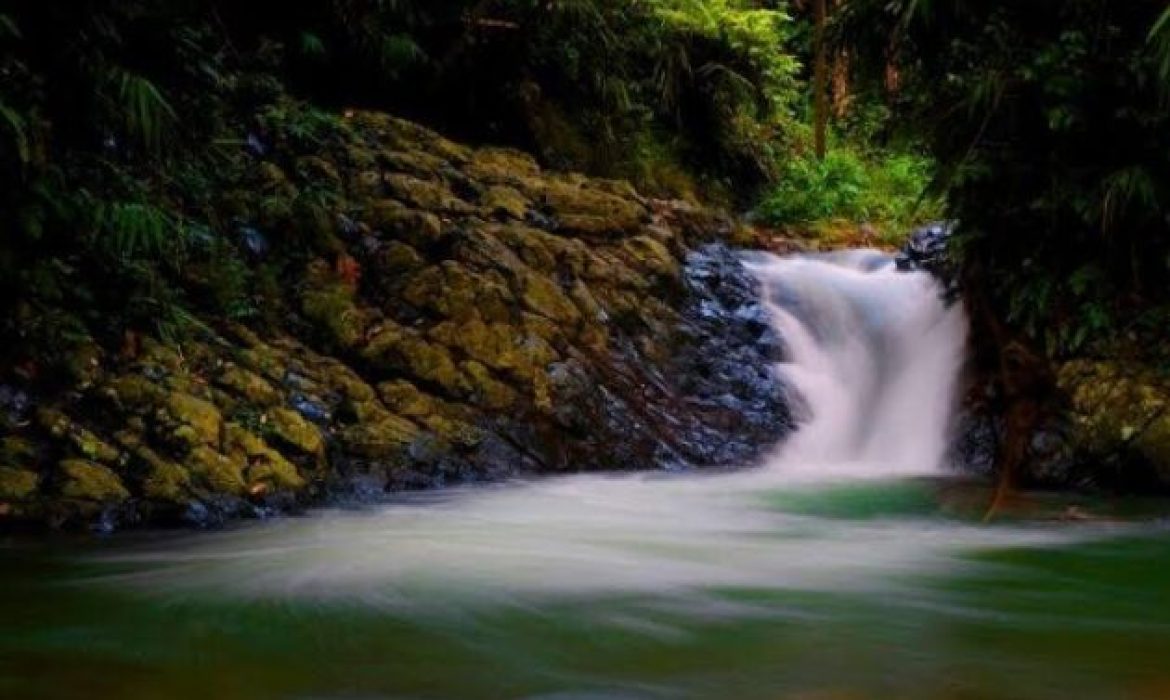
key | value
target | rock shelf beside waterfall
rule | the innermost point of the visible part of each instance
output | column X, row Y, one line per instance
column 477, row 318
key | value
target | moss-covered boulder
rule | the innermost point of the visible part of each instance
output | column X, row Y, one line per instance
column 86, row 481
column 197, row 421
column 1120, row 414
column 18, row 485
column 248, row 385
column 291, row 429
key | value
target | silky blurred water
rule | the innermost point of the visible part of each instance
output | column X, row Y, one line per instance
column 886, row 588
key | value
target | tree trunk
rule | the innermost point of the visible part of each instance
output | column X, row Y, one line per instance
column 820, row 79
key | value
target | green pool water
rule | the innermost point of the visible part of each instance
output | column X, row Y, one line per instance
column 627, row 588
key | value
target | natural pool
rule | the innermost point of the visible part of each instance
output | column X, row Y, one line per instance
column 635, row 587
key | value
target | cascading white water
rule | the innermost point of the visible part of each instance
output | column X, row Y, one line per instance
column 874, row 357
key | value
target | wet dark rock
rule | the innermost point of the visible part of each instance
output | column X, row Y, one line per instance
column 254, row 242
column 347, row 227
column 255, row 145
column 15, row 405
column 927, row 249
column 310, row 409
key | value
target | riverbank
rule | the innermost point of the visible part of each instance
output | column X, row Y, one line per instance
column 457, row 314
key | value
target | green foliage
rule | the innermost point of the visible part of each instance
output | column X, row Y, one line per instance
column 888, row 191
column 133, row 229
column 144, row 111
column 1050, row 125
column 14, row 123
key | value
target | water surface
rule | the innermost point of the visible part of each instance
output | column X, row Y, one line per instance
column 888, row 588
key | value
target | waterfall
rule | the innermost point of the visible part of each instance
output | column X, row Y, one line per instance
column 873, row 357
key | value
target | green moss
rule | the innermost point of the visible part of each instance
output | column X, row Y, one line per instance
column 199, row 421
column 486, row 390
column 584, row 210
column 454, row 432
column 17, row 450
column 83, row 364
column 420, row 229
column 501, row 165
column 19, row 485
column 383, row 440
column 1115, row 407
column 406, row 399
column 399, row 349
column 506, row 202
column 133, row 391
column 293, row 430
column 397, row 258
column 542, row 295
column 425, row 194
column 83, row 442
column 266, row 468
column 248, row 385
column 488, row 343
column 165, row 481
column 218, row 473
column 652, row 257
column 416, row 163
column 85, row 481
column 330, row 305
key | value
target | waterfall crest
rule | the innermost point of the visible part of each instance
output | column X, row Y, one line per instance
column 872, row 357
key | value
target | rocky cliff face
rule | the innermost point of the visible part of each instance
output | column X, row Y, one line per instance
column 469, row 316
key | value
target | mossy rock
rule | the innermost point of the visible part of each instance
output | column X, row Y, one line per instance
column 406, row 399
column 83, row 480
column 83, row 364
column 133, row 391
column 486, row 390
column 499, row 346
column 421, row 229
column 584, row 211
column 504, row 202
column 18, row 485
column 218, row 473
column 404, row 134
column 488, row 343
column 201, row 419
column 248, row 385
column 397, row 258
column 425, row 194
column 420, row 164
column 15, row 449
column 452, row 291
column 265, row 467
column 454, row 432
column 290, row 428
column 268, row 473
column 350, row 385
column 165, row 481
column 387, row 439
column 82, row 441
column 587, row 304
column 543, row 296
column 538, row 250
column 501, row 165
column 653, row 258
column 1119, row 408
column 331, row 305
column 316, row 169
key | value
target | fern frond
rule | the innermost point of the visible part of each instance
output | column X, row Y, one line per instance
column 146, row 114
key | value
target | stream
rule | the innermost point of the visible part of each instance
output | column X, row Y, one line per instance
column 854, row 563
